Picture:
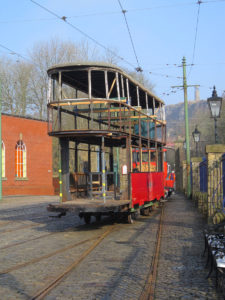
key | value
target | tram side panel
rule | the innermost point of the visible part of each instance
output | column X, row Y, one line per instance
column 156, row 185
column 140, row 191
column 146, row 187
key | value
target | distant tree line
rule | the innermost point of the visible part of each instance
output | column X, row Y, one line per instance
column 24, row 83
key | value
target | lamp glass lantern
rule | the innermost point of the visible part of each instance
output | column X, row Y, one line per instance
column 215, row 104
column 196, row 135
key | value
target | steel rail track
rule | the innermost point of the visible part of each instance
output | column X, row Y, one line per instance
column 35, row 260
column 149, row 288
column 27, row 241
column 36, row 238
column 51, row 285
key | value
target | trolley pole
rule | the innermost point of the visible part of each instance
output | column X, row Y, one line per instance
column 188, row 158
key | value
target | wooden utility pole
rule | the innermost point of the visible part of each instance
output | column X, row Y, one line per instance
column 188, row 158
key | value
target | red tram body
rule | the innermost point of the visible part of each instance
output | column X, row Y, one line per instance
column 147, row 187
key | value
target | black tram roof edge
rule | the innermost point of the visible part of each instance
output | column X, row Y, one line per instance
column 100, row 66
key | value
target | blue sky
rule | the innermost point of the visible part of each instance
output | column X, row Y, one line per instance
column 163, row 32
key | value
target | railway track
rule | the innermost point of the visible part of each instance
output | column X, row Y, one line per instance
column 149, row 288
column 53, row 283
column 34, row 239
column 81, row 254
column 38, row 259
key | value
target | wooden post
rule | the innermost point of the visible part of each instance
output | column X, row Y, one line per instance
column 122, row 84
column 89, row 158
column 138, row 96
column 128, row 146
column 59, row 99
column 146, row 100
column 128, row 92
column 106, row 85
column 49, row 90
column 153, row 106
column 64, row 146
column 140, row 146
column 53, row 90
column 60, row 87
column 90, row 95
column 103, row 170
column 76, row 158
column 117, row 85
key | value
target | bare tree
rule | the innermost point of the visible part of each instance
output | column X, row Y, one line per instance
column 25, row 84
column 15, row 77
column 49, row 53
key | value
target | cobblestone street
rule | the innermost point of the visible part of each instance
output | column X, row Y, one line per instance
column 36, row 248
column 181, row 270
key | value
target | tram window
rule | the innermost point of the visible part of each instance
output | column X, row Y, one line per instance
column 144, row 156
column 135, row 156
column 160, row 164
column 153, row 156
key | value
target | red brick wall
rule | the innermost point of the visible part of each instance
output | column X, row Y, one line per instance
column 39, row 156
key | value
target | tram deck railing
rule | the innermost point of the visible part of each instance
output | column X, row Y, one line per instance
column 104, row 114
column 90, row 184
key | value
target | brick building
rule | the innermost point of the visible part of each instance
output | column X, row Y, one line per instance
column 26, row 157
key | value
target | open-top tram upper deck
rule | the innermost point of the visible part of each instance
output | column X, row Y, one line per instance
column 108, row 101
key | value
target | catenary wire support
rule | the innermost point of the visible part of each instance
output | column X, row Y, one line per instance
column 138, row 69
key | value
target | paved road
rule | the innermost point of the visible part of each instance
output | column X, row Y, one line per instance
column 118, row 266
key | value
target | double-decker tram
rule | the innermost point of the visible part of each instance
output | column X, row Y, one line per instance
column 111, row 133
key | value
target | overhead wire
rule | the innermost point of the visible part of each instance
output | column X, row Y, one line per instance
column 101, row 13
column 165, row 75
column 138, row 69
column 12, row 52
column 112, row 12
column 195, row 39
column 64, row 19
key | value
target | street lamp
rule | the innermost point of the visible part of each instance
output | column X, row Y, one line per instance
column 196, row 136
column 215, row 104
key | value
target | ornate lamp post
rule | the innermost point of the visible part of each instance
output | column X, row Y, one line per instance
column 196, row 136
column 215, row 104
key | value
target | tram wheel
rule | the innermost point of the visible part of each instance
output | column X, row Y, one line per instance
column 146, row 211
column 87, row 219
column 130, row 219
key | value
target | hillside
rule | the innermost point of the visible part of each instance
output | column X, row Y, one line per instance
column 198, row 113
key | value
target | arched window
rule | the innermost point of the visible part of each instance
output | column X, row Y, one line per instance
column 21, row 160
column 3, row 159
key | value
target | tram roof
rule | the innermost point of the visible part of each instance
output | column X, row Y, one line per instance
column 79, row 67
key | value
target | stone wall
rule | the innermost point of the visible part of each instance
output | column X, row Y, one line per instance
column 214, row 154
